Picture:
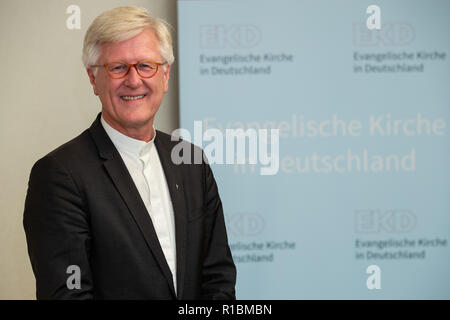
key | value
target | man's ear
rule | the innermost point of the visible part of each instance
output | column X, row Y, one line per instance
column 92, row 80
column 166, row 77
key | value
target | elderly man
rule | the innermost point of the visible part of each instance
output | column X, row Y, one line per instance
column 108, row 215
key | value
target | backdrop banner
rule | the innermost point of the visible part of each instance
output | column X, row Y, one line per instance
column 349, row 199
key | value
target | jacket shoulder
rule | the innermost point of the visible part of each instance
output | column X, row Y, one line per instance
column 74, row 151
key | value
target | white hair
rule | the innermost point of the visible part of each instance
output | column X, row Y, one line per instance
column 123, row 23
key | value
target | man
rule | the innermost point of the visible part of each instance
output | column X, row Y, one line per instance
column 109, row 215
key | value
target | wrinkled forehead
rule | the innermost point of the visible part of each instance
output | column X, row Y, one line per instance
column 144, row 46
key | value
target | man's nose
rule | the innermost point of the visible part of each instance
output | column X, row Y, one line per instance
column 132, row 79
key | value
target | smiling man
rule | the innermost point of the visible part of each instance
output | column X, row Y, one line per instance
column 108, row 215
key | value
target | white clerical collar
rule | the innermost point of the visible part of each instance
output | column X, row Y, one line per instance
column 123, row 143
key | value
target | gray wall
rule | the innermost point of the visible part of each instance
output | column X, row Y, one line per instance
column 46, row 100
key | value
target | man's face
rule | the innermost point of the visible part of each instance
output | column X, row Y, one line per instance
column 131, row 117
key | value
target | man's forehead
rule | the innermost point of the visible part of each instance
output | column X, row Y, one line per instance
column 143, row 46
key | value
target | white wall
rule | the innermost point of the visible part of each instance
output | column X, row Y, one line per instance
column 46, row 100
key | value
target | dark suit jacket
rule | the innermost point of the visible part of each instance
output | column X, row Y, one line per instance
column 83, row 208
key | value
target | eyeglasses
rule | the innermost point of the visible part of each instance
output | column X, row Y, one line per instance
column 118, row 70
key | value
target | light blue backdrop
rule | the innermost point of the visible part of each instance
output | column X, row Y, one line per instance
column 374, row 193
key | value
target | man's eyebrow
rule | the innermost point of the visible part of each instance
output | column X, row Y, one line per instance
column 135, row 60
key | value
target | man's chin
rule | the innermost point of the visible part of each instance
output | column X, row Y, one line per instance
column 134, row 117
column 137, row 122
column 130, row 118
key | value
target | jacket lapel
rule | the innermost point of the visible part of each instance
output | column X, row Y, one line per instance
column 176, row 189
column 121, row 178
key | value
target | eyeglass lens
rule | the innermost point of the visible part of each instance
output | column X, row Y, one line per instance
column 145, row 69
